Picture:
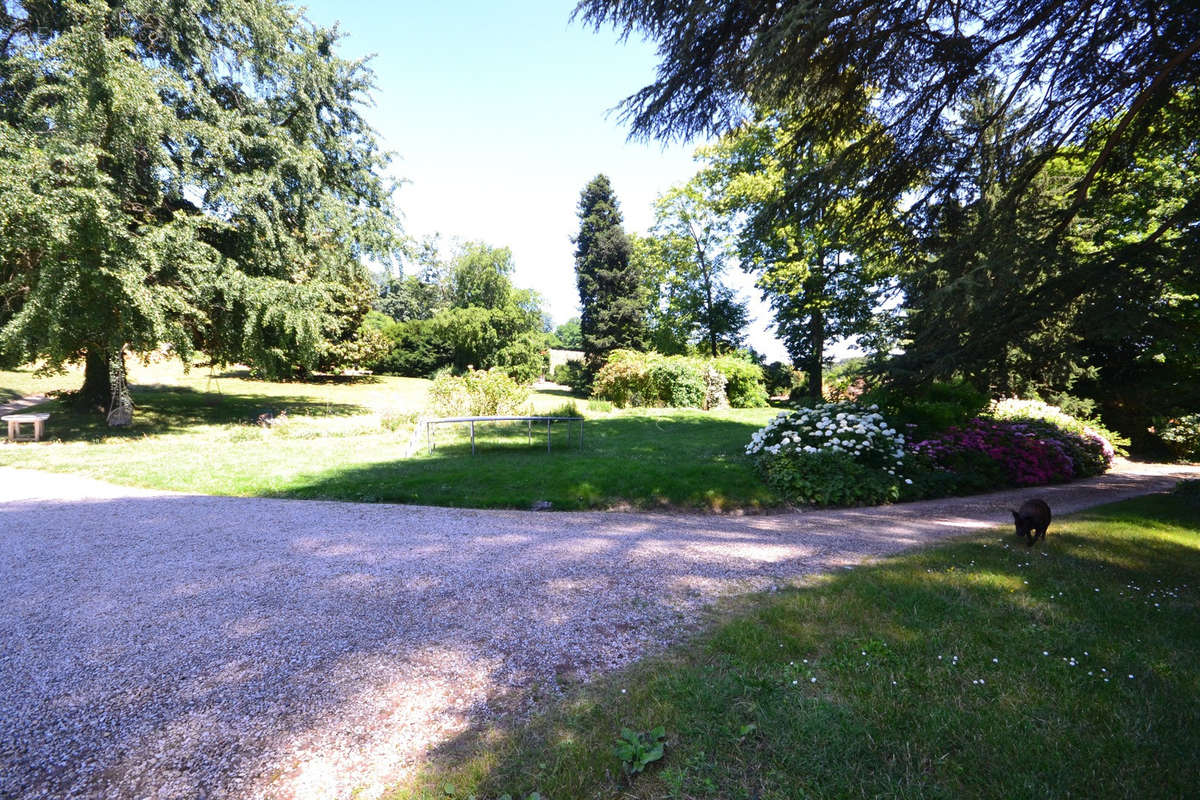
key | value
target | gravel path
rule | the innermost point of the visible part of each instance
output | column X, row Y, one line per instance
column 179, row 646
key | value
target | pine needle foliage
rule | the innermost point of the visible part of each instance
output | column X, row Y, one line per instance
column 184, row 172
column 611, row 292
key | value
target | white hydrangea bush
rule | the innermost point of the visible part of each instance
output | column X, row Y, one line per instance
column 861, row 433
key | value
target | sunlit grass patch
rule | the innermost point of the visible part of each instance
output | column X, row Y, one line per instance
column 349, row 439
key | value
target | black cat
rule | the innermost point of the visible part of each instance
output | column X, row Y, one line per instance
column 1032, row 520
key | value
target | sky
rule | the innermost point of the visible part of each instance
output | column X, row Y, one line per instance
column 498, row 114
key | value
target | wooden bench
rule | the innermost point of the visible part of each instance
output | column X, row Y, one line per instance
column 429, row 423
column 38, row 420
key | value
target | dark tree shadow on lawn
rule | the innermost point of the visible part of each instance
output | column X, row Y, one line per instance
column 162, row 409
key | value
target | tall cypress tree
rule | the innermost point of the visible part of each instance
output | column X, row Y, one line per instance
column 610, row 289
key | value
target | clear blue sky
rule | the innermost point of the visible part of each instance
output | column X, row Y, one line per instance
column 498, row 114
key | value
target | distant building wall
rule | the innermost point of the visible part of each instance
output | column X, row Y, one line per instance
column 563, row 356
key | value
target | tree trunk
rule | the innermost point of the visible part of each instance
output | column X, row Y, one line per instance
column 104, row 388
column 96, row 394
column 816, row 343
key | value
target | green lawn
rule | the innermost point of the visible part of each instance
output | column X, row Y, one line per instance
column 976, row 669
column 346, row 439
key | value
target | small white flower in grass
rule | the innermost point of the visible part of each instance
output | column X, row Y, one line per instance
column 908, row 480
column 795, row 683
column 814, row 680
column 1131, row 677
column 1045, row 652
column 995, row 661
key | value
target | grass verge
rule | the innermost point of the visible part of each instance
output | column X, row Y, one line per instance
column 976, row 669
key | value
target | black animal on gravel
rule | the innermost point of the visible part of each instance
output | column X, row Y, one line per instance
column 1032, row 520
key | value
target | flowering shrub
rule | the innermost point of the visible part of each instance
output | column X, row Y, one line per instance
column 1025, row 457
column 831, row 454
column 845, row 454
column 1182, row 435
column 1090, row 446
column 744, row 381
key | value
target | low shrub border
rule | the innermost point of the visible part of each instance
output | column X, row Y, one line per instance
column 846, row 454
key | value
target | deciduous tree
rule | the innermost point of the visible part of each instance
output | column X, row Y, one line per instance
column 686, row 253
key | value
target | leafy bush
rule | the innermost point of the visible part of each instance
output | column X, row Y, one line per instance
column 525, row 359
column 744, row 385
column 779, row 378
column 567, row 409
column 414, row 349
column 631, row 378
column 846, row 381
column 831, row 454
column 679, row 383
column 478, row 393
column 825, row 478
column 1182, row 436
column 929, row 409
column 625, row 380
column 571, row 374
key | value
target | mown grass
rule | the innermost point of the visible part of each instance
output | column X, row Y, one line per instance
column 348, row 439
column 977, row 669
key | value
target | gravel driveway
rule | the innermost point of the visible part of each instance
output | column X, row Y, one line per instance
column 180, row 646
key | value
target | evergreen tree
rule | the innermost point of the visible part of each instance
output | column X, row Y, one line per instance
column 187, row 172
column 611, row 293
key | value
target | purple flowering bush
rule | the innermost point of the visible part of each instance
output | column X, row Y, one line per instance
column 1020, row 454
